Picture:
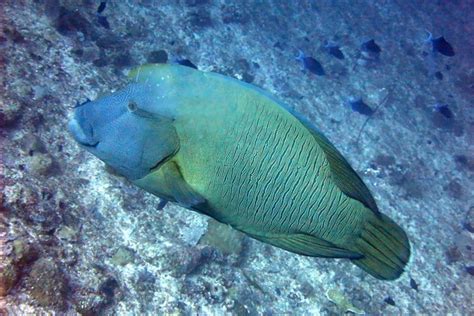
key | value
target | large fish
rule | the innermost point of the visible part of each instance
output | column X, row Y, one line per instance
column 234, row 152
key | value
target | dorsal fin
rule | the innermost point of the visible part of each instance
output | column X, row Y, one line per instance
column 143, row 72
column 159, row 72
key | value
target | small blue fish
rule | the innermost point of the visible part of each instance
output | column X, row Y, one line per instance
column 161, row 205
column 334, row 50
column 359, row 106
column 440, row 45
column 101, row 7
column 389, row 301
column 311, row 64
column 185, row 62
column 413, row 284
column 371, row 47
column 103, row 21
column 443, row 110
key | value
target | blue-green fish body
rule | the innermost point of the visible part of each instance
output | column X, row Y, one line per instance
column 232, row 151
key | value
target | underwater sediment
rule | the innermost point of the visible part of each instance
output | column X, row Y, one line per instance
column 77, row 238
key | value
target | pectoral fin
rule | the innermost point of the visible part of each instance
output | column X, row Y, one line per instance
column 307, row 245
column 179, row 188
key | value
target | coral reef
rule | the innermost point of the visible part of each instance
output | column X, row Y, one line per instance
column 76, row 239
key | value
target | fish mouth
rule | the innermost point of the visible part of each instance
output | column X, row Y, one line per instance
column 80, row 135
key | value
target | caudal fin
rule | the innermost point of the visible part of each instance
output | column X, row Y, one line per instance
column 385, row 247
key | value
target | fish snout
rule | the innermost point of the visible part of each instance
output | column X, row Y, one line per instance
column 81, row 129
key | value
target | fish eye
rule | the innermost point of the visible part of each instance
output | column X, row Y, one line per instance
column 132, row 106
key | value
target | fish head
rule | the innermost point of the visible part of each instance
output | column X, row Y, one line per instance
column 126, row 130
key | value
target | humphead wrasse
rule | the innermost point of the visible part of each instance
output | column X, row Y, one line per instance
column 234, row 152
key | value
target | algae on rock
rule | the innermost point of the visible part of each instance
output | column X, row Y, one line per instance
column 122, row 256
column 338, row 298
column 47, row 284
column 223, row 237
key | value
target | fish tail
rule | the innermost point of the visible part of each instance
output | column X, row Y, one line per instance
column 385, row 247
column 300, row 56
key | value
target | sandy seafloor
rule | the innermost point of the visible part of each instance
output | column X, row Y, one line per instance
column 76, row 239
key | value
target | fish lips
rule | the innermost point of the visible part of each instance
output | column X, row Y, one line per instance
column 81, row 130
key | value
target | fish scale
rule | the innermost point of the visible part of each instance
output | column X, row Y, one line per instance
column 290, row 205
column 256, row 187
column 302, row 193
column 285, row 180
column 251, row 150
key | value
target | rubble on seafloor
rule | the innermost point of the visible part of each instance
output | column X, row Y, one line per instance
column 75, row 238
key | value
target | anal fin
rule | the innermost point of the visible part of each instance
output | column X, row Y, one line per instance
column 307, row 245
